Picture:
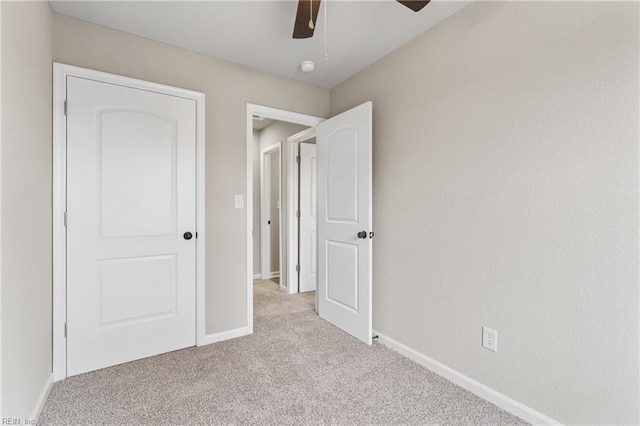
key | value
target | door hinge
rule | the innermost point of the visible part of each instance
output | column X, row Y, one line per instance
column 298, row 213
column 298, row 159
column 65, row 107
column 65, row 330
column 297, row 268
column 65, row 219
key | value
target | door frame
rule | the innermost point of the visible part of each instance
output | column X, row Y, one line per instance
column 60, row 74
column 293, row 226
column 265, row 212
column 278, row 115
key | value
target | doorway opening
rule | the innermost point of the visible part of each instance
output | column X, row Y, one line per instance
column 269, row 211
column 341, row 198
column 275, row 225
column 271, row 215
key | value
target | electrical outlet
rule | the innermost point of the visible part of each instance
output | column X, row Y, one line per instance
column 490, row 339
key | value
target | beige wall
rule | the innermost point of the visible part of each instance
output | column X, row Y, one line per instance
column 228, row 87
column 506, row 195
column 279, row 132
column 25, row 173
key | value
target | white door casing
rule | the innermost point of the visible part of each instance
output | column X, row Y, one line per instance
column 131, row 195
column 344, row 150
column 308, row 207
column 292, row 189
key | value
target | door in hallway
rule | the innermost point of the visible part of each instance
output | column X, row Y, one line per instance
column 308, row 234
column 131, row 206
column 344, row 147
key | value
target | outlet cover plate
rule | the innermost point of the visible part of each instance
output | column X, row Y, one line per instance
column 490, row 339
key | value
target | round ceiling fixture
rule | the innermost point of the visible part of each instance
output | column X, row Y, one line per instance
column 307, row 66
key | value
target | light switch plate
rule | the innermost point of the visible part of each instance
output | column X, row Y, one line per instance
column 239, row 201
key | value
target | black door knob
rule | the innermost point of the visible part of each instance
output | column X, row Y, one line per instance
column 362, row 234
column 188, row 235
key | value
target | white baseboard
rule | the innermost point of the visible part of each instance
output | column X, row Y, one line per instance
column 512, row 406
column 224, row 335
column 42, row 399
column 256, row 276
column 268, row 276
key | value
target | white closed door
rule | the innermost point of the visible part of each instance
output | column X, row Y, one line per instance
column 344, row 146
column 308, row 207
column 131, row 197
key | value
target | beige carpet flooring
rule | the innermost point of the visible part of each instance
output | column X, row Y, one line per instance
column 294, row 369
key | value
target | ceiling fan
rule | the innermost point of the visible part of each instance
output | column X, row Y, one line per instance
column 308, row 13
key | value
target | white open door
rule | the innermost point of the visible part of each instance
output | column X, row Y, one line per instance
column 131, row 199
column 308, row 227
column 345, row 221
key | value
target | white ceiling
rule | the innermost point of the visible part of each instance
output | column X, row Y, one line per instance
column 258, row 33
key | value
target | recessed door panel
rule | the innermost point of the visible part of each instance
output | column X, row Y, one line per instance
column 126, row 284
column 342, row 274
column 313, row 244
column 137, row 174
column 342, row 175
column 131, row 196
column 313, row 208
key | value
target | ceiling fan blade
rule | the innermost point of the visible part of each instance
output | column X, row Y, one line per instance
column 303, row 16
column 415, row 5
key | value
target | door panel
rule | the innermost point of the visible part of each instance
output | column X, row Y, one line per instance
column 344, row 146
column 308, row 209
column 130, row 197
column 136, row 155
column 126, row 283
column 342, row 175
column 342, row 274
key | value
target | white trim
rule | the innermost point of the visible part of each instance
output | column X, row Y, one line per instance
column 60, row 74
column 201, row 167
column 42, row 399
column 265, row 209
column 274, row 114
column 274, row 274
column 224, row 335
column 512, row 406
column 59, row 240
column 257, row 276
column 0, row 236
column 292, row 204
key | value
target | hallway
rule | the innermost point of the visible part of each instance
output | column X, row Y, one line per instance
column 294, row 369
